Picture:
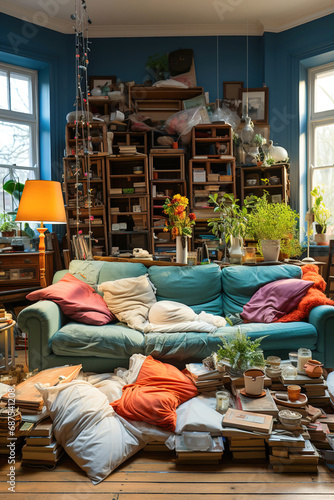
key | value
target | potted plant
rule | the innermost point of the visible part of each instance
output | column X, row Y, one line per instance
column 158, row 64
column 321, row 214
column 274, row 226
column 241, row 352
column 8, row 227
column 232, row 222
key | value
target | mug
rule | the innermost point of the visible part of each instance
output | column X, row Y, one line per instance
column 254, row 381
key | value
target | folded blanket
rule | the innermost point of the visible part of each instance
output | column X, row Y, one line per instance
column 314, row 297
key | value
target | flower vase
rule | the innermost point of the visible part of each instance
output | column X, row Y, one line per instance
column 235, row 250
column 181, row 250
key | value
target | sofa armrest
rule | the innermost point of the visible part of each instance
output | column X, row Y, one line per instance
column 40, row 321
column 322, row 318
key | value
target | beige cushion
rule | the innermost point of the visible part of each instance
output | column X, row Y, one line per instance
column 130, row 300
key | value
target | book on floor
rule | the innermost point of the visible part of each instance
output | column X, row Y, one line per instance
column 265, row 405
column 43, row 429
column 48, row 455
column 301, row 380
column 249, row 455
column 248, row 421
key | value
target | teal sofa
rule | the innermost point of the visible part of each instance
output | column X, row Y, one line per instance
column 56, row 340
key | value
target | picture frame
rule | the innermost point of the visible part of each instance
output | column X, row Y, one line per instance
column 99, row 81
column 276, row 198
column 257, row 100
column 231, row 90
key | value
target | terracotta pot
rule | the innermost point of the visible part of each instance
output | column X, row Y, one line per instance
column 313, row 368
column 8, row 234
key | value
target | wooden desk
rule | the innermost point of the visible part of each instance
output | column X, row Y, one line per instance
column 19, row 270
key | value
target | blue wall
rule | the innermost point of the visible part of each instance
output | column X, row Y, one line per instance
column 274, row 59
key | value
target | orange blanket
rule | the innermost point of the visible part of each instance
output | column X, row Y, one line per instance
column 159, row 389
column 314, row 297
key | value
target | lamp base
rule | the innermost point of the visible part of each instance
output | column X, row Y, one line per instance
column 41, row 249
column 308, row 259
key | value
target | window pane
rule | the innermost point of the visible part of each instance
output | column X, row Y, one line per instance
column 324, row 91
column 324, row 145
column 325, row 176
column 15, row 144
column 7, row 203
column 3, row 90
column 20, row 93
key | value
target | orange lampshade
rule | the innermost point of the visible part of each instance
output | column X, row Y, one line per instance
column 42, row 201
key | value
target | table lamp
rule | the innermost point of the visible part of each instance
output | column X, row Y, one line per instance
column 42, row 201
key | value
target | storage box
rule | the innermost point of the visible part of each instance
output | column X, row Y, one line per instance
column 199, row 175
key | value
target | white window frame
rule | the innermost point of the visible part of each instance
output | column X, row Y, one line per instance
column 24, row 118
column 316, row 119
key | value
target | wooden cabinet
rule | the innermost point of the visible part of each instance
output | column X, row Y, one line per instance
column 167, row 178
column 274, row 179
column 138, row 139
column 77, row 200
column 128, row 202
column 95, row 140
column 21, row 270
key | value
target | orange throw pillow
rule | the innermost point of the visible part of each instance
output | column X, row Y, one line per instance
column 314, row 297
column 159, row 389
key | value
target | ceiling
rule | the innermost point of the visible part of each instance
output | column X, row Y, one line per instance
column 139, row 18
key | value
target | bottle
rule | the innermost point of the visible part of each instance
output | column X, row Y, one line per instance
column 304, row 355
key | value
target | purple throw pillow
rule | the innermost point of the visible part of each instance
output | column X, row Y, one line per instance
column 274, row 300
column 77, row 300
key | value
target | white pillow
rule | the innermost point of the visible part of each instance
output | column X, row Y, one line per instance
column 130, row 300
column 197, row 414
column 88, row 428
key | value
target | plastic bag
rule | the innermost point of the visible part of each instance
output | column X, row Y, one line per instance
column 181, row 123
column 143, row 123
column 226, row 115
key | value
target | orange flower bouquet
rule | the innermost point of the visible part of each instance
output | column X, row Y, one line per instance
column 179, row 222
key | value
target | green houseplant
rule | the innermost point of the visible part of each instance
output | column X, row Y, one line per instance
column 232, row 222
column 8, row 227
column 241, row 352
column 159, row 64
column 275, row 222
column 319, row 210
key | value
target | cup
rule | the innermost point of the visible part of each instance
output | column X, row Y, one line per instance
column 222, row 401
column 254, row 381
column 294, row 392
column 175, row 145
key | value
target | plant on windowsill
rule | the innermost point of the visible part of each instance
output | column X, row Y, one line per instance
column 8, row 227
column 241, row 352
column 274, row 225
column 321, row 214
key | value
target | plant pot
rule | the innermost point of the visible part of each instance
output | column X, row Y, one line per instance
column 270, row 249
column 181, row 249
column 235, row 250
column 8, row 234
column 320, row 229
column 321, row 239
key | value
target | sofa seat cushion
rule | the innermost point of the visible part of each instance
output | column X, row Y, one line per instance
column 196, row 286
column 239, row 283
column 108, row 341
column 184, row 346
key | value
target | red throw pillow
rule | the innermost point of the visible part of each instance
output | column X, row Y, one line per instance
column 159, row 389
column 77, row 300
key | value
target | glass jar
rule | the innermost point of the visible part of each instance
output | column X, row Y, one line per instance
column 304, row 355
column 222, row 401
column 17, row 244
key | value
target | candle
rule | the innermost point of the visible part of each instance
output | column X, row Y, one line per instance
column 222, row 401
column 303, row 356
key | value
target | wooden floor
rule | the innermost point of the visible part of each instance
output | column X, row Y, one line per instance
column 155, row 476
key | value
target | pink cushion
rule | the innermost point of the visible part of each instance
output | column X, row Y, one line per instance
column 77, row 300
column 274, row 300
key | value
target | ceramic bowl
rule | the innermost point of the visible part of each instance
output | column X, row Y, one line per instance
column 273, row 181
column 274, row 361
column 251, row 182
column 288, row 417
column 273, row 371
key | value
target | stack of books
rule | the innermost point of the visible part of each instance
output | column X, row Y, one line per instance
column 41, row 446
column 127, row 150
column 212, row 455
column 247, row 447
column 140, row 187
column 9, row 426
column 318, row 432
column 247, row 421
column 206, row 380
column 292, row 453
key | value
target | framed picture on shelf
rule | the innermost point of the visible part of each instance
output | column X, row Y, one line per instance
column 231, row 90
column 257, row 101
column 276, row 198
column 100, row 81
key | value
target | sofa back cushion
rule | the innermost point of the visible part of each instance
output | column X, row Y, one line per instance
column 111, row 271
column 239, row 283
column 196, row 286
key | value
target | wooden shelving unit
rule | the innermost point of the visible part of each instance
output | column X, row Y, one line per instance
column 167, row 178
column 96, row 144
column 138, row 139
column 98, row 200
column 278, row 192
column 127, row 208
column 212, row 140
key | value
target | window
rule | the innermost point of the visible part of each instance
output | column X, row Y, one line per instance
column 18, row 128
column 321, row 130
